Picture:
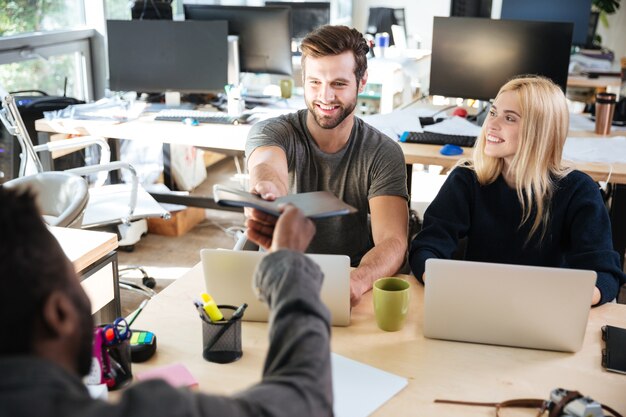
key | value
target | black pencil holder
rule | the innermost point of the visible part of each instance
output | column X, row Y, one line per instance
column 221, row 340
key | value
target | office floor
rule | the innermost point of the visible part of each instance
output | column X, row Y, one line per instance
column 166, row 258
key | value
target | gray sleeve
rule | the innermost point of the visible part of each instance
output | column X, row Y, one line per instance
column 388, row 173
column 296, row 377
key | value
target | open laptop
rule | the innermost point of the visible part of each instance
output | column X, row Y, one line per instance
column 228, row 276
column 511, row 305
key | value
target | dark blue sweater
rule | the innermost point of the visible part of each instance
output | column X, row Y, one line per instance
column 578, row 234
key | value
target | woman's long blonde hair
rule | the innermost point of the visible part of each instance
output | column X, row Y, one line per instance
column 536, row 165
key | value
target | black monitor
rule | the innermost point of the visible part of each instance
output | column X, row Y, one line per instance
column 577, row 12
column 264, row 34
column 381, row 19
column 471, row 8
column 305, row 16
column 473, row 57
column 155, row 56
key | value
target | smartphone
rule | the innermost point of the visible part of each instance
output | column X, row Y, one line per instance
column 614, row 353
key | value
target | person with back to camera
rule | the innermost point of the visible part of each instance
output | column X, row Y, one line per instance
column 515, row 202
column 46, row 344
column 326, row 148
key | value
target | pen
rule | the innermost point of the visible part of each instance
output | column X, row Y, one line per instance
column 236, row 316
column 131, row 318
column 200, row 307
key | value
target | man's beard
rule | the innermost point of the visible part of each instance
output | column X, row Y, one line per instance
column 326, row 122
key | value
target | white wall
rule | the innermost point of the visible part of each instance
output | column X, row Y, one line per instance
column 418, row 14
column 419, row 19
column 614, row 37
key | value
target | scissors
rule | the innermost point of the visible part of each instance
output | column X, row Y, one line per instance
column 117, row 332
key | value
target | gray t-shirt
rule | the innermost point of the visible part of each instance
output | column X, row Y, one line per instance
column 370, row 165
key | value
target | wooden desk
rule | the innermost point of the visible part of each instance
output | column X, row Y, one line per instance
column 600, row 82
column 415, row 153
column 434, row 368
column 95, row 260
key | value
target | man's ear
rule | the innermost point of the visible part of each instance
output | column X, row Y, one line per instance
column 363, row 82
column 59, row 315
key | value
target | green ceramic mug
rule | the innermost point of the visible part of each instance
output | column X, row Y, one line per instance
column 391, row 303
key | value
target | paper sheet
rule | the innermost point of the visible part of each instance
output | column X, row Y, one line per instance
column 455, row 125
column 360, row 389
column 394, row 124
column 610, row 150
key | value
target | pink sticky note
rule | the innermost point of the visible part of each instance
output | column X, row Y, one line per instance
column 177, row 375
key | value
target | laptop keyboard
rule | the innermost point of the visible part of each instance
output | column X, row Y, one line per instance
column 432, row 138
column 178, row 115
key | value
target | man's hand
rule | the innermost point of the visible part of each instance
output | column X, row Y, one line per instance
column 289, row 231
column 267, row 190
column 260, row 227
column 293, row 230
column 357, row 288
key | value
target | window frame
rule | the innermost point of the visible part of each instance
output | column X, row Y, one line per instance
column 23, row 47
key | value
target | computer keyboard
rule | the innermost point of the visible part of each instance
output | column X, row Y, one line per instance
column 201, row 116
column 432, row 138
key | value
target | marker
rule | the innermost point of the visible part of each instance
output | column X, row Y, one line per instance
column 211, row 308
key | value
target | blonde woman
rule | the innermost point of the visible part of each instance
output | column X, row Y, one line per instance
column 515, row 202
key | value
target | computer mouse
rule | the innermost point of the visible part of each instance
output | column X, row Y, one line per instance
column 450, row 150
column 190, row 121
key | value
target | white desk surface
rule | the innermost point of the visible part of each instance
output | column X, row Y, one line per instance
column 233, row 138
column 434, row 368
column 214, row 136
column 84, row 247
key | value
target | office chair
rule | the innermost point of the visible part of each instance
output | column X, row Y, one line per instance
column 61, row 196
column 113, row 207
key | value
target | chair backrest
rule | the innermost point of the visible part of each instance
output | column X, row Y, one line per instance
column 62, row 196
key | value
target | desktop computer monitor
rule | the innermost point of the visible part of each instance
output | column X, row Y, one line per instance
column 577, row 12
column 473, row 57
column 381, row 19
column 264, row 34
column 155, row 56
column 305, row 16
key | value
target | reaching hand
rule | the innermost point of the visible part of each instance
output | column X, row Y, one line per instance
column 267, row 190
column 293, row 230
column 289, row 231
column 260, row 227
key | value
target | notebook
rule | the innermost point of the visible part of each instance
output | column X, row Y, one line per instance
column 316, row 204
column 228, row 277
column 510, row 305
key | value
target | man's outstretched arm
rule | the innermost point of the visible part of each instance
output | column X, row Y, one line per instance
column 389, row 219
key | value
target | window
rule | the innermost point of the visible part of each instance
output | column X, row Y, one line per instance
column 45, row 48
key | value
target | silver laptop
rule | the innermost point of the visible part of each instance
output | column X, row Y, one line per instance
column 511, row 305
column 228, row 276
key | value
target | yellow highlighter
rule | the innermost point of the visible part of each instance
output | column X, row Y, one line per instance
column 211, row 308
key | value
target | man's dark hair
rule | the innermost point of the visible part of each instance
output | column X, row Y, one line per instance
column 32, row 265
column 334, row 40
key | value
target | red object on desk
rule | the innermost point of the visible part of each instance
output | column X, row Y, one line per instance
column 459, row 111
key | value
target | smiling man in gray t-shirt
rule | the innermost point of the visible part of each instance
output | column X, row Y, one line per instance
column 325, row 147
